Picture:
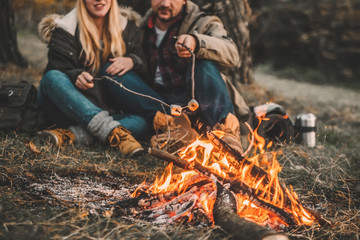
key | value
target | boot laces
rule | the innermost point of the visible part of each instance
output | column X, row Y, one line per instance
column 118, row 136
column 65, row 134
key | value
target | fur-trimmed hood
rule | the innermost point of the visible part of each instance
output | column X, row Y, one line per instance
column 69, row 22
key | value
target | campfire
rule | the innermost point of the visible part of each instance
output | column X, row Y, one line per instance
column 209, row 164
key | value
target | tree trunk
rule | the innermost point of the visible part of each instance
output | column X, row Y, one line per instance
column 9, row 51
column 235, row 15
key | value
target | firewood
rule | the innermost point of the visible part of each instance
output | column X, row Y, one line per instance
column 241, row 229
column 236, row 160
column 235, row 185
column 151, row 200
column 172, row 210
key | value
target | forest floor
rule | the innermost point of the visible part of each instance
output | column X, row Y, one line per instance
column 48, row 192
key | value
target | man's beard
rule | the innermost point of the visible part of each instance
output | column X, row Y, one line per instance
column 164, row 19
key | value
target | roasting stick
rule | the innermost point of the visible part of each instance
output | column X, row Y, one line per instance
column 252, row 141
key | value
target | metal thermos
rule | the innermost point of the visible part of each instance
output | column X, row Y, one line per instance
column 306, row 128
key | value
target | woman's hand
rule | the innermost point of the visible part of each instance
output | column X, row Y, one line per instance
column 84, row 81
column 120, row 66
column 187, row 40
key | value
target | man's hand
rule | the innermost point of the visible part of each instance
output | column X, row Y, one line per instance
column 84, row 81
column 120, row 66
column 187, row 40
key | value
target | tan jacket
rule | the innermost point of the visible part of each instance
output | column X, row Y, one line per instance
column 213, row 44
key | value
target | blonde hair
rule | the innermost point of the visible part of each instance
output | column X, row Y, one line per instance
column 113, row 42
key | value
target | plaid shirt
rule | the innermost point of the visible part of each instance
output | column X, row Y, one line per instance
column 172, row 68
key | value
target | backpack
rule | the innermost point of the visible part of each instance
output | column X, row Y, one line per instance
column 276, row 125
column 19, row 108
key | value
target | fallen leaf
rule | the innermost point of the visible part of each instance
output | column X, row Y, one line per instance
column 33, row 148
column 30, row 176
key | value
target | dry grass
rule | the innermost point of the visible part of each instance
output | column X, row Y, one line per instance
column 326, row 178
column 42, row 214
column 319, row 175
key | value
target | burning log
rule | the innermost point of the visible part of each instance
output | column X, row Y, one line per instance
column 235, row 185
column 236, row 159
column 181, row 163
column 225, row 216
column 146, row 200
column 168, row 210
column 172, row 210
column 262, row 198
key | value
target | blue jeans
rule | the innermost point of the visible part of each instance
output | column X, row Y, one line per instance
column 66, row 105
column 62, row 100
column 211, row 92
column 130, row 102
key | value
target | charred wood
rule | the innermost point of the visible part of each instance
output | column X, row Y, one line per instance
column 177, row 161
column 171, row 210
column 225, row 216
column 237, row 160
column 200, row 216
column 239, row 187
column 132, row 202
column 149, row 200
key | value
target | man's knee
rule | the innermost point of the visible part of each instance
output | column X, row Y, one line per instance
column 206, row 65
column 207, row 69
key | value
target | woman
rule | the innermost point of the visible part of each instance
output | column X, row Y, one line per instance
column 96, row 38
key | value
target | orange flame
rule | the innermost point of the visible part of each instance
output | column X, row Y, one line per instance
column 268, row 187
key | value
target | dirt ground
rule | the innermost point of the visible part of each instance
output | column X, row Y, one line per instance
column 313, row 94
column 40, row 185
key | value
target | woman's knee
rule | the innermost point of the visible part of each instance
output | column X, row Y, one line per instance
column 207, row 69
column 52, row 78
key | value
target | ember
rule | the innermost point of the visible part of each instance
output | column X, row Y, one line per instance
column 261, row 197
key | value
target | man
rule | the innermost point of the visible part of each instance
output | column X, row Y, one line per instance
column 171, row 29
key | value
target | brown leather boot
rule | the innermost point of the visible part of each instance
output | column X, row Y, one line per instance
column 231, row 127
column 58, row 136
column 122, row 139
column 172, row 133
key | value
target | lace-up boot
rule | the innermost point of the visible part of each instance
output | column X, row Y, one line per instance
column 231, row 127
column 58, row 136
column 122, row 139
column 172, row 133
